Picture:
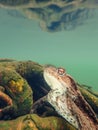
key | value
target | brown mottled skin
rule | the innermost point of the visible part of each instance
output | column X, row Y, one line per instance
column 75, row 102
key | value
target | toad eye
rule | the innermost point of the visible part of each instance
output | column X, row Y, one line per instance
column 61, row 71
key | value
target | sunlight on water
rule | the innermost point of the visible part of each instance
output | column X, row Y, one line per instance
column 75, row 49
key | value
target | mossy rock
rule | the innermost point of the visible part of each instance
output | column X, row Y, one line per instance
column 34, row 122
column 16, row 93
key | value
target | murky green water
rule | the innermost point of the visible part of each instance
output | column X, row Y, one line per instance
column 75, row 49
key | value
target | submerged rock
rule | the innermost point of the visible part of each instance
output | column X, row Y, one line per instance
column 16, row 94
column 34, row 122
column 90, row 96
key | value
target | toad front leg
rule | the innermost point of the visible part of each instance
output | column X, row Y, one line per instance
column 38, row 104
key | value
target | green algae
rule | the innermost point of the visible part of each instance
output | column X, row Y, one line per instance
column 90, row 98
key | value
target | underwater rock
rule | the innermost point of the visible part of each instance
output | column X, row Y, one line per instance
column 34, row 122
column 90, row 96
column 16, row 98
column 16, row 94
column 55, row 15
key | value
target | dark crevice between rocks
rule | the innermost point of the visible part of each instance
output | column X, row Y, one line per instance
column 3, row 104
column 38, row 85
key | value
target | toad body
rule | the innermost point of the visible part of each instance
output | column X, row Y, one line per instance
column 67, row 100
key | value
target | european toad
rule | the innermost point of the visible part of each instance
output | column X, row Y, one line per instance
column 68, row 101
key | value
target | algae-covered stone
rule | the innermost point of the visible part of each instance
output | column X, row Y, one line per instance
column 20, row 94
column 21, row 83
column 34, row 122
column 90, row 96
column 16, row 95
